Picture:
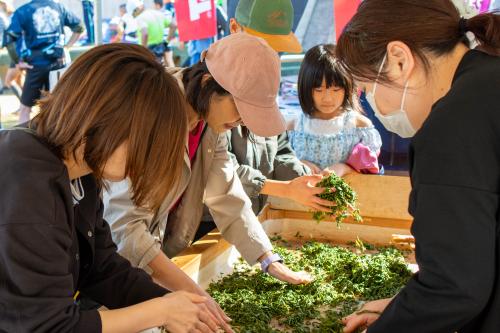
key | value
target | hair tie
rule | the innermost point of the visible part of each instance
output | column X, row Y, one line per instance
column 462, row 26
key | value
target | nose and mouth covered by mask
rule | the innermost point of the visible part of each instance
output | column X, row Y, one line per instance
column 396, row 121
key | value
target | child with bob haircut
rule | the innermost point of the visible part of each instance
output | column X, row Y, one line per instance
column 331, row 135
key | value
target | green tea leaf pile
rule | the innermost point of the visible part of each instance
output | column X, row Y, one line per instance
column 344, row 197
column 258, row 302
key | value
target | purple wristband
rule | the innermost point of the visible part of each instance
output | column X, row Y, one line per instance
column 264, row 265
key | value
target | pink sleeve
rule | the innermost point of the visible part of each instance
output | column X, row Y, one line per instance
column 363, row 160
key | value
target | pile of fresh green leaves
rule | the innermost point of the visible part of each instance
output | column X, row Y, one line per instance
column 344, row 197
column 258, row 302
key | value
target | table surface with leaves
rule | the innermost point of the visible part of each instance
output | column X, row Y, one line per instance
column 345, row 277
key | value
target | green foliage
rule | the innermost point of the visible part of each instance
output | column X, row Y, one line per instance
column 258, row 302
column 339, row 192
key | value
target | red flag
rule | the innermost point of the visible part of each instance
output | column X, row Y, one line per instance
column 196, row 19
column 343, row 11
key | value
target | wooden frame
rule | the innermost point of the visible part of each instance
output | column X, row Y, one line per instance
column 382, row 201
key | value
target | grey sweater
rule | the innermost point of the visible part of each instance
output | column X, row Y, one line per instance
column 257, row 159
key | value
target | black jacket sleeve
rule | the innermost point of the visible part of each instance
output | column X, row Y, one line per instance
column 38, row 247
column 36, row 285
column 113, row 282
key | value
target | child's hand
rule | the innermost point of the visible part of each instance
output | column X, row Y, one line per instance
column 316, row 170
column 340, row 169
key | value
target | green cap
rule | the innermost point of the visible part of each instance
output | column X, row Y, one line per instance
column 271, row 20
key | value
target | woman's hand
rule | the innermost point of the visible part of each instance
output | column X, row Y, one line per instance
column 185, row 312
column 167, row 274
column 366, row 316
column 218, row 313
column 304, row 191
column 340, row 169
column 283, row 273
column 316, row 170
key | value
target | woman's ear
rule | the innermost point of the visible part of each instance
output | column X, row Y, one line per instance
column 205, row 78
column 234, row 26
column 400, row 61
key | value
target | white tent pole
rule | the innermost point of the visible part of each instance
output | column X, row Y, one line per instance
column 98, row 21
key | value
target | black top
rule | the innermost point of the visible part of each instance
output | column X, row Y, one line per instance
column 50, row 248
column 455, row 174
column 40, row 24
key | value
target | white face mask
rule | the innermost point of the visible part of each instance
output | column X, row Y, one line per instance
column 396, row 121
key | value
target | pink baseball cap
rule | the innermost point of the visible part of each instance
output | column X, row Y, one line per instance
column 249, row 69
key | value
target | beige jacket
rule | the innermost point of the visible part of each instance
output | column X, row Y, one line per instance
column 212, row 181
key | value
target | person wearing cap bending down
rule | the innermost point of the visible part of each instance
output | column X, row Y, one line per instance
column 268, row 165
column 236, row 81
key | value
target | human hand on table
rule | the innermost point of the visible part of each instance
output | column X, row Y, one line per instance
column 365, row 316
column 187, row 312
column 222, row 319
column 304, row 191
column 285, row 274
column 171, row 277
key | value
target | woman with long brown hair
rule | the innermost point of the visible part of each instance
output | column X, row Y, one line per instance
column 422, row 79
column 102, row 122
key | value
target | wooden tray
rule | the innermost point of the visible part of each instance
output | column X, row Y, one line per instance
column 383, row 203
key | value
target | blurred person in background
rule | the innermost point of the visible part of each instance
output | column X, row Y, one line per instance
column 41, row 23
column 114, row 32
column 14, row 77
column 151, row 26
column 195, row 48
column 88, row 18
column 222, row 22
column 169, row 32
column 129, row 24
